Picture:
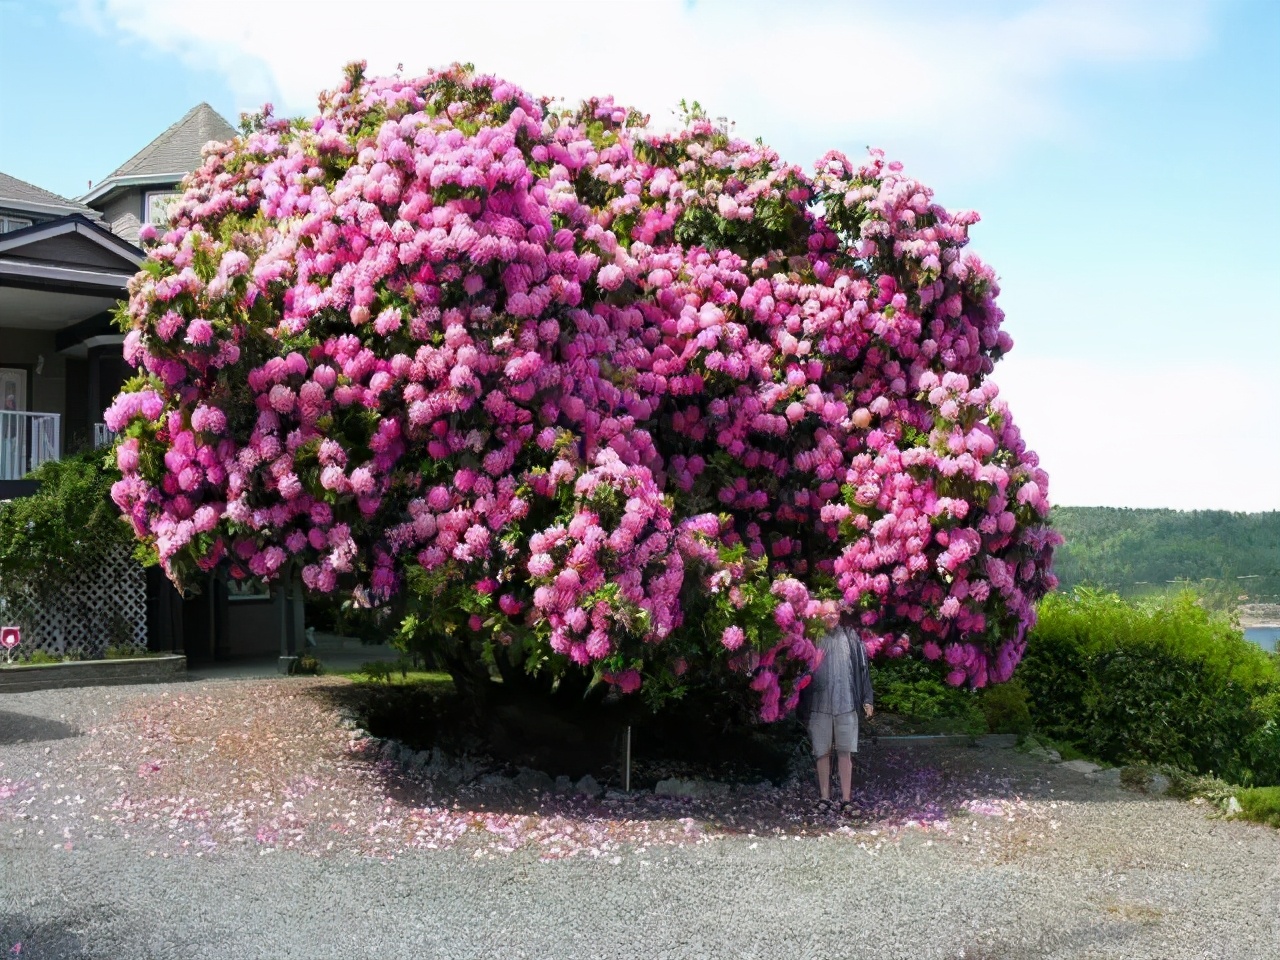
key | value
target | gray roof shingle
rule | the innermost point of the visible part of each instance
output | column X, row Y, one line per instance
column 19, row 191
column 177, row 150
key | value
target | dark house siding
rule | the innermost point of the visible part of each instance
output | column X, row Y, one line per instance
column 123, row 213
column 70, row 248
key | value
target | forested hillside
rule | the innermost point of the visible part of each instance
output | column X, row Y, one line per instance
column 1139, row 551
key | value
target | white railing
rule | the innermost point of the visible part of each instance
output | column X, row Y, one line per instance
column 27, row 439
column 102, row 436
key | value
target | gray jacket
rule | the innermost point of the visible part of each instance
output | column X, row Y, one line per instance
column 860, row 678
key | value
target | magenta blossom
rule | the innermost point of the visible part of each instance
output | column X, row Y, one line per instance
column 582, row 394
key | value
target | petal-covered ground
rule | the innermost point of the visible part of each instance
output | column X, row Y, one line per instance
column 248, row 819
column 272, row 764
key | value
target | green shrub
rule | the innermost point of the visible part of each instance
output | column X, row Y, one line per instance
column 52, row 540
column 307, row 666
column 1190, row 786
column 49, row 538
column 1260, row 804
column 1156, row 683
column 378, row 670
column 1006, row 709
column 914, row 688
column 36, row 657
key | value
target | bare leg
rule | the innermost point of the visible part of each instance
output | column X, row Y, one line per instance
column 844, row 763
column 824, row 776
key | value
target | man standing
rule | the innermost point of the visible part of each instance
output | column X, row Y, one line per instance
column 841, row 687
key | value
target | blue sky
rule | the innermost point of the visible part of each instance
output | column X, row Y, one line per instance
column 1125, row 158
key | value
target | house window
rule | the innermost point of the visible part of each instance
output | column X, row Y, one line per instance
column 9, row 224
column 159, row 204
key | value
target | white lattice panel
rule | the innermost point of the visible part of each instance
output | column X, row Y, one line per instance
column 103, row 606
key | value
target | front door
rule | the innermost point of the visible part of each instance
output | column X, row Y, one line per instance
column 13, row 388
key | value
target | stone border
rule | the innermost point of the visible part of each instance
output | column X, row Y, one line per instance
column 92, row 673
column 992, row 741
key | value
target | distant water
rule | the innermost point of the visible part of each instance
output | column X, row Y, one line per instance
column 1268, row 638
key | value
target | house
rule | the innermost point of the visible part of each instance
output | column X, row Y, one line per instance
column 140, row 190
column 64, row 266
column 61, row 274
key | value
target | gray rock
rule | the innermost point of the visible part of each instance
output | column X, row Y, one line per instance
column 465, row 769
column 1159, row 785
column 587, row 786
column 535, row 780
column 1040, row 752
column 563, row 784
column 1233, row 807
column 668, row 788
column 1110, row 776
column 691, row 789
column 998, row 741
column 1079, row 766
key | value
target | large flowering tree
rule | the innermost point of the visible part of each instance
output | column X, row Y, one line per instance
column 580, row 396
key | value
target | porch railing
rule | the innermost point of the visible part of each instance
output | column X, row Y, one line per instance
column 102, row 436
column 27, row 439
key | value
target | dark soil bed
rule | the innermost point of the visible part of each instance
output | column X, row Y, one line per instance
column 685, row 740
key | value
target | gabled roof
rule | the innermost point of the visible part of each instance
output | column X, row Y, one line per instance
column 170, row 156
column 17, row 194
column 69, row 255
column 11, row 243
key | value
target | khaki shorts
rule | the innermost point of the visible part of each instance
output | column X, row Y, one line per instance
column 826, row 730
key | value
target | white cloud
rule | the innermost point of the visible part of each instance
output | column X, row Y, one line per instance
column 952, row 87
column 1190, row 436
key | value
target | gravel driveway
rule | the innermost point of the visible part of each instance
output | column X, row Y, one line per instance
column 241, row 819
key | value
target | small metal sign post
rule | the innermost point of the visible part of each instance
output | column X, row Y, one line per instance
column 626, row 764
column 10, row 637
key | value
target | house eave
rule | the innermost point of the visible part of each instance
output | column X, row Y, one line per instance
column 53, row 209
column 33, row 275
column 112, row 184
column 74, row 223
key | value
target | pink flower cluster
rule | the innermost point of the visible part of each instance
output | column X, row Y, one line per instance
column 640, row 401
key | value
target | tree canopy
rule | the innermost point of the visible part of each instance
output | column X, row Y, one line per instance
column 575, row 395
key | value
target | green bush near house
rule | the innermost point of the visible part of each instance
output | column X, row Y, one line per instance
column 1161, row 683
column 66, row 527
column 53, row 542
column 307, row 666
column 38, row 658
